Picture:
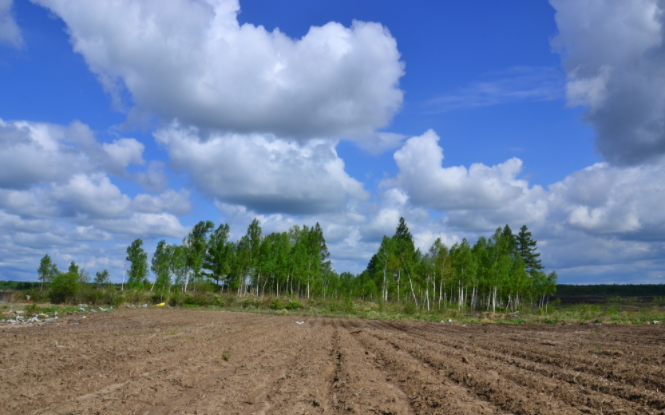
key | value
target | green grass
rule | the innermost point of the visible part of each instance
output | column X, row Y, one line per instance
column 614, row 312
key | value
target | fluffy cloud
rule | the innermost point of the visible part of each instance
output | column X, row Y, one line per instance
column 604, row 217
column 34, row 153
column 193, row 61
column 622, row 201
column 625, row 202
column 57, row 195
column 125, row 151
column 429, row 184
column 613, row 54
column 261, row 172
column 9, row 31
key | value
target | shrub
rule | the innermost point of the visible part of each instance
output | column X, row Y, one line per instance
column 348, row 305
column 250, row 303
column 175, row 299
column 276, row 304
column 410, row 308
column 293, row 305
column 64, row 287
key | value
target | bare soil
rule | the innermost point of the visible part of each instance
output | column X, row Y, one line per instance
column 168, row 361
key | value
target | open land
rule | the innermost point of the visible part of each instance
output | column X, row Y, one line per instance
column 175, row 361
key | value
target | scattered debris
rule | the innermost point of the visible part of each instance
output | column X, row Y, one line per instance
column 300, row 322
column 656, row 322
column 161, row 304
column 144, row 306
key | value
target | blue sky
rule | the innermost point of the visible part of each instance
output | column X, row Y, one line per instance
column 136, row 119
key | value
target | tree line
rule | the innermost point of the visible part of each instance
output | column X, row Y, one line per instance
column 502, row 271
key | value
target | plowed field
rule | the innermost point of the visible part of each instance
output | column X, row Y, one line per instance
column 213, row 362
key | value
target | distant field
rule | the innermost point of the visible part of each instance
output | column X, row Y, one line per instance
column 176, row 361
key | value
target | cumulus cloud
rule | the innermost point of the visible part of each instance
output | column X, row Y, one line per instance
column 604, row 216
column 57, row 195
column 193, row 61
column 125, row 151
column 430, row 184
column 34, row 153
column 261, row 172
column 9, row 31
column 613, row 54
column 622, row 201
column 154, row 179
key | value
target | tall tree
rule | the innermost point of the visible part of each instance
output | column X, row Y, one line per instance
column 138, row 269
column 218, row 256
column 178, row 263
column 47, row 270
column 406, row 253
column 102, row 278
column 254, row 239
column 161, row 266
column 196, row 243
column 526, row 246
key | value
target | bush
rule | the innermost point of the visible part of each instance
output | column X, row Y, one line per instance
column 175, row 299
column 410, row 308
column 276, row 304
column 250, row 303
column 293, row 305
column 64, row 287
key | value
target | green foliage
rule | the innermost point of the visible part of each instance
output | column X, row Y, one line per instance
column 138, row 270
column 250, row 303
column 276, row 304
column 47, row 270
column 64, row 287
column 102, row 278
column 293, row 305
column 410, row 308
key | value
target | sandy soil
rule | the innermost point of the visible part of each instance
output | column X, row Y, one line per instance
column 214, row 362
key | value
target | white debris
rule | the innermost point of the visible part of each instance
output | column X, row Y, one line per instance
column 300, row 322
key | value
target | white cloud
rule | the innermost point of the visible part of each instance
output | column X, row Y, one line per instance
column 613, row 53
column 145, row 225
column 35, row 153
column 154, row 179
column 261, row 172
column 125, row 151
column 602, row 216
column 622, row 201
column 193, row 61
column 57, row 196
column 429, row 184
column 168, row 201
column 9, row 31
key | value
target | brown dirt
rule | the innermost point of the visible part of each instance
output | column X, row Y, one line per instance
column 213, row 362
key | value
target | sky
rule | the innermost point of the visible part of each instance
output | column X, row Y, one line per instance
column 134, row 119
